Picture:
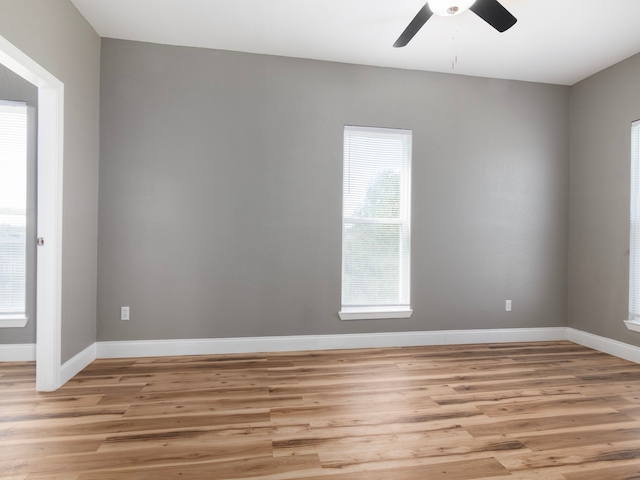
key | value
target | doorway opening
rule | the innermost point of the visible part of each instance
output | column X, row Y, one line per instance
column 50, row 144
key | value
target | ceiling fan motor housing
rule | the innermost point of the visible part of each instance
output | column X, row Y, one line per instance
column 448, row 8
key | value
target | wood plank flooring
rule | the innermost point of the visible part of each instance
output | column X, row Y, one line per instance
column 539, row 411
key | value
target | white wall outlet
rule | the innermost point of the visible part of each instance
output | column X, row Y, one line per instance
column 124, row 313
column 507, row 306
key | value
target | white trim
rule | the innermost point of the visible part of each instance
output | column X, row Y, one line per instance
column 212, row 346
column 12, row 103
column 357, row 142
column 632, row 325
column 77, row 363
column 374, row 313
column 149, row 348
column 152, row 348
column 19, row 352
column 49, row 266
column 605, row 345
column 13, row 321
column 50, row 161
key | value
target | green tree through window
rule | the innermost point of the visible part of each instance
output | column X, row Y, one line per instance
column 372, row 250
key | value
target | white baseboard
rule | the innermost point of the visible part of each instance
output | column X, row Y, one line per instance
column 153, row 348
column 77, row 363
column 605, row 345
column 20, row 352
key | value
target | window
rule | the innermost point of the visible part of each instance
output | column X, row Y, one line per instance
column 13, row 212
column 376, row 223
column 633, row 322
column 634, row 242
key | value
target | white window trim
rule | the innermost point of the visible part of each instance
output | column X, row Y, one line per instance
column 380, row 312
column 13, row 321
column 633, row 325
column 374, row 313
column 633, row 321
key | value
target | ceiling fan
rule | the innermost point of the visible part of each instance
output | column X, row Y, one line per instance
column 491, row 11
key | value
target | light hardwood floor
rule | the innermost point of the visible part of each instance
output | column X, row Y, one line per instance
column 543, row 411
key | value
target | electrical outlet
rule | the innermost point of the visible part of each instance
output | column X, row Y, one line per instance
column 124, row 313
column 507, row 306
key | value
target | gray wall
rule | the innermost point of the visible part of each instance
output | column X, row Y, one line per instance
column 56, row 36
column 220, row 194
column 14, row 87
column 602, row 109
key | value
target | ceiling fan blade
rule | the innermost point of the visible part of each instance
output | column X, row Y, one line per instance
column 492, row 12
column 416, row 24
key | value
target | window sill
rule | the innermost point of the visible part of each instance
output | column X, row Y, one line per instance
column 633, row 325
column 13, row 321
column 374, row 313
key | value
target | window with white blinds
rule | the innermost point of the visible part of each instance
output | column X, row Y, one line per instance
column 13, row 209
column 376, row 223
column 634, row 243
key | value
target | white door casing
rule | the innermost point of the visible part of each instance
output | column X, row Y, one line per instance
column 49, row 223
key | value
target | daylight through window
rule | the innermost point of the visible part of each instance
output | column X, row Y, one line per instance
column 13, row 208
column 634, row 246
column 376, row 227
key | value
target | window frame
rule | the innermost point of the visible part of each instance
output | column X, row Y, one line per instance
column 403, row 308
column 633, row 317
column 19, row 319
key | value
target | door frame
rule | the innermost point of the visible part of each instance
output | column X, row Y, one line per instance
column 50, row 149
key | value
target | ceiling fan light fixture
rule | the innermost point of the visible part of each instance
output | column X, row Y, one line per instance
column 448, row 8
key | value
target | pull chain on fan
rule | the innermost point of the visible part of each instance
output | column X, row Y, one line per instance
column 454, row 44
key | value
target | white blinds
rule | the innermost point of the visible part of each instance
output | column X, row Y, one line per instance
column 376, row 217
column 13, row 207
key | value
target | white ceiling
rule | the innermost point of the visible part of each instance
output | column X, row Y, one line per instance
column 554, row 41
